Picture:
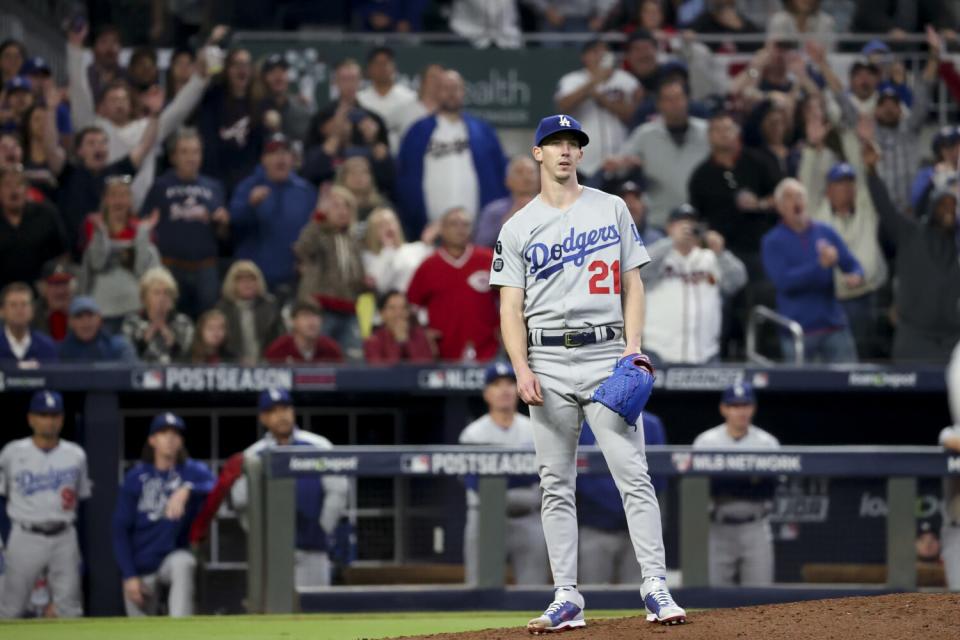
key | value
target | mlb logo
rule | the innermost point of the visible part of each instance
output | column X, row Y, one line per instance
column 682, row 461
column 149, row 379
column 417, row 464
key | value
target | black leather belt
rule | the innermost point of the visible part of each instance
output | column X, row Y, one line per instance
column 736, row 519
column 572, row 339
column 49, row 529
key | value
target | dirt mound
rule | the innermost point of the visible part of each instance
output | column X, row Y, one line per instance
column 890, row 617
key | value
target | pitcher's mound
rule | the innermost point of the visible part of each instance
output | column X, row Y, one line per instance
column 910, row 616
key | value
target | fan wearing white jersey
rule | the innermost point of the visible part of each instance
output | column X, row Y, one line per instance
column 561, row 264
column 43, row 478
column 503, row 426
column 741, row 543
column 686, row 284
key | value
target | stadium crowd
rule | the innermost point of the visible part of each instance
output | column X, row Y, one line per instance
column 211, row 214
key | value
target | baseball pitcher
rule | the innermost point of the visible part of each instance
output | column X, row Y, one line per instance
column 568, row 269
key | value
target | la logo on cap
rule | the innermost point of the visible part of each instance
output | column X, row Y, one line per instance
column 170, row 418
column 274, row 395
column 738, row 390
column 564, row 121
column 49, row 399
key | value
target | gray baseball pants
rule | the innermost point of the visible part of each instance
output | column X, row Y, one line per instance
column 26, row 556
column 741, row 549
column 568, row 378
column 176, row 572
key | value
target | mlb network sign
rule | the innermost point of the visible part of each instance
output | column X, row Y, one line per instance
column 742, row 462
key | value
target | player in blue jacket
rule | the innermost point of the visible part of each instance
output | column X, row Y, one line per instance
column 606, row 553
column 159, row 499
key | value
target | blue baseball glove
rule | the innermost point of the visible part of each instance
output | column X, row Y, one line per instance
column 628, row 388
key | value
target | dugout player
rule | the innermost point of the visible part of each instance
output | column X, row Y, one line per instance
column 561, row 263
column 158, row 501
column 320, row 500
column 504, row 426
column 42, row 478
column 741, row 543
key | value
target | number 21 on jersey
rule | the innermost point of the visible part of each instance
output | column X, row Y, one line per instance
column 599, row 283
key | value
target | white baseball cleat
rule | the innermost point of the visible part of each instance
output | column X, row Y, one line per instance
column 564, row 614
column 660, row 604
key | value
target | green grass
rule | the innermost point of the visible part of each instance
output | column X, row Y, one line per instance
column 303, row 627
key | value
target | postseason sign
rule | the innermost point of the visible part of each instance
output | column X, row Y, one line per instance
column 226, row 378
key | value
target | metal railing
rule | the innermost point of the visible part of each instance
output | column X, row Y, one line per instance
column 760, row 315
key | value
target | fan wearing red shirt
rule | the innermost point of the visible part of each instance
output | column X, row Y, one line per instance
column 304, row 343
column 453, row 285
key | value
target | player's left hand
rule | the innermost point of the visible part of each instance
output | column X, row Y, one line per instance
column 177, row 503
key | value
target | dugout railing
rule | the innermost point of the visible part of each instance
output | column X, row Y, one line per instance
column 272, row 479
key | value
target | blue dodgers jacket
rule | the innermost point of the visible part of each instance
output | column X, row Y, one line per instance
column 805, row 290
column 266, row 233
column 599, row 504
column 142, row 534
column 488, row 159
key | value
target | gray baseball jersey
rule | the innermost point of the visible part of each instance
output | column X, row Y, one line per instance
column 43, row 486
column 569, row 262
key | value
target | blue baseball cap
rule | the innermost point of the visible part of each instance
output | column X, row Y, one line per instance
column 36, row 65
column 84, row 304
column 946, row 136
column 18, row 83
column 168, row 420
column 270, row 398
column 498, row 370
column 739, row 393
column 841, row 171
column 875, row 46
column 557, row 123
column 46, row 402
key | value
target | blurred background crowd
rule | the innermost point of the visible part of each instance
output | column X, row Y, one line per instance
column 169, row 195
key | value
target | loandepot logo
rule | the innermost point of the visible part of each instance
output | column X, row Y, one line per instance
column 324, row 465
column 455, row 464
column 883, row 380
column 748, row 462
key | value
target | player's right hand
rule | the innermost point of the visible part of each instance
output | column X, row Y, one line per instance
column 528, row 385
column 133, row 590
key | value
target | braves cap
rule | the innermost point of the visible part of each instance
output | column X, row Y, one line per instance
column 46, row 402
column 886, row 91
column 36, row 65
column 17, row 83
column 84, row 304
column 557, row 123
column 841, row 171
column 739, row 393
column 498, row 370
column 276, row 142
column 273, row 61
column 947, row 136
column 271, row 398
column 875, row 46
column 683, row 212
column 168, row 420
